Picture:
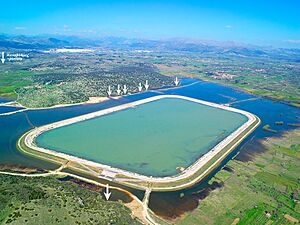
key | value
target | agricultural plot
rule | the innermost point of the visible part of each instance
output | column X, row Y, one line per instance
column 264, row 190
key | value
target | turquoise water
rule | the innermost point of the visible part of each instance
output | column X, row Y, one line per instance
column 151, row 139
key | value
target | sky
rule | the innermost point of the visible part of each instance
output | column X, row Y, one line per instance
column 259, row 22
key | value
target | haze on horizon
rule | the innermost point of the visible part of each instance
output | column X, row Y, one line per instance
column 256, row 22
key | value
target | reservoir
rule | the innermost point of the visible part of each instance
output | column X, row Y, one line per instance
column 153, row 139
column 167, row 204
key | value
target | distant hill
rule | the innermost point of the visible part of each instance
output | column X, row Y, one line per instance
column 26, row 42
column 181, row 45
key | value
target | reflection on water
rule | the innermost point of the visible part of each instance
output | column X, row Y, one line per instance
column 5, row 100
column 174, row 204
column 6, row 109
column 115, row 196
column 249, row 150
column 137, row 193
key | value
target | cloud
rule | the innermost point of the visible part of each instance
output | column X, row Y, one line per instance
column 66, row 28
column 91, row 31
column 293, row 41
column 20, row 28
column 228, row 26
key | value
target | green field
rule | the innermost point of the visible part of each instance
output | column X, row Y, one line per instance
column 261, row 191
column 46, row 80
column 49, row 79
column 10, row 81
column 264, row 76
column 152, row 139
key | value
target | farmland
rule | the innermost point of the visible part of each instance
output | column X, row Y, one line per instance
column 48, row 79
column 269, row 77
column 263, row 190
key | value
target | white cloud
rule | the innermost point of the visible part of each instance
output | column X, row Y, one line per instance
column 293, row 41
column 91, row 31
column 228, row 26
column 20, row 28
column 66, row 28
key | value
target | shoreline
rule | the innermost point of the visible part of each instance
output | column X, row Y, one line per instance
column 141, row 181
column 249, row 91
column 92, row 100
column 199, row 79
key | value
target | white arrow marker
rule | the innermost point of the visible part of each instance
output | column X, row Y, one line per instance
column 2, row 58
column 146, row 85
column 109, row 91
column 118, row 90
column 125, row 89
column 107, row 193
column 140, row 87
column 176, row 81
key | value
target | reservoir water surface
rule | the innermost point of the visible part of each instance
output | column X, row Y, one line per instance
column 152, row 139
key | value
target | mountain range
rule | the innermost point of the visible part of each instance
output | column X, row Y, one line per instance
column 175, row 44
